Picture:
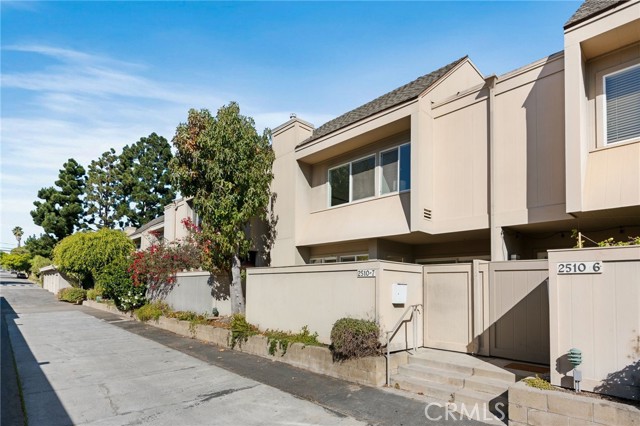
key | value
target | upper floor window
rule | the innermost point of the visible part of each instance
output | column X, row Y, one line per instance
column 357, row 180
column 396, row 169
column 352, row 181
column 622, row 105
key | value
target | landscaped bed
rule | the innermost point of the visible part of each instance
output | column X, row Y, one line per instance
column 366, row 371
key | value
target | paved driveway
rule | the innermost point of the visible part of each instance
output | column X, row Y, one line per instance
column 77, row 369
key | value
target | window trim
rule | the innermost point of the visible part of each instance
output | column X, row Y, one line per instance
column 605, row 141
column 397, row 191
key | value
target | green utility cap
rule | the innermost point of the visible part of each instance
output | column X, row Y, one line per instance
column 575, row 357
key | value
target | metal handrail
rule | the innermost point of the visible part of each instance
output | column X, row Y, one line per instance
column 414, row 309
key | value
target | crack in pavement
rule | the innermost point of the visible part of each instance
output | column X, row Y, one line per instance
column 210, row 396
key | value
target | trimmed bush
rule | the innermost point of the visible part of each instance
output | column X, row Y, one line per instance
column 72, row 295
column 354, row 338
column 96, row 291
column 91, row 294
column 151, row 311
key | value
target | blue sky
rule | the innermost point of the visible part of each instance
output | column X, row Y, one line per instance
column 81, row 77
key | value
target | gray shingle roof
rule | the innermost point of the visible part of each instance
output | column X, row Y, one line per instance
column 156, row 221
column 395, row 97
column 591, row 8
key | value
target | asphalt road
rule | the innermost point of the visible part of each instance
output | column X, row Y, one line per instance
column 79, row 366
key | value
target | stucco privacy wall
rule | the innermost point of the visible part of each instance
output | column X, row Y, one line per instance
column 600, row 315
column 194, row 291
column 53, row 280
column 288, row 298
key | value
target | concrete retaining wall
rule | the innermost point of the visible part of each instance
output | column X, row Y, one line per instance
column 532, row 406
column 370, row 371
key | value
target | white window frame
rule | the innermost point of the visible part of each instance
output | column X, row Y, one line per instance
column 397, row 191
column 355, row 257
column 604, row 108
column 350, row 164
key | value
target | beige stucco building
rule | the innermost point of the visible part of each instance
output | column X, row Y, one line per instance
column 457, row 165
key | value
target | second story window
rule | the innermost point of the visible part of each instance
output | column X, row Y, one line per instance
column 622, row 105
column 396, row 169
column 352, row 181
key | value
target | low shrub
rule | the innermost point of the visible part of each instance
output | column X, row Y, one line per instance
column 72, row 294
column 116, row 284
column 280, row 340
column 151, row 311
column 91, row 294
column 538, row 383
column 354, row 338
column 241, row 330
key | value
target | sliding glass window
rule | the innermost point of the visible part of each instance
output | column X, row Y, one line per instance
column 395, row 165
column 363, row 181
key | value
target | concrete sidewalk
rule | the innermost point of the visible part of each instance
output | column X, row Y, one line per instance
column 82, row 366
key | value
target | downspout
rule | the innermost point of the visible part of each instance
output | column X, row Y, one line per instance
column 491, row 85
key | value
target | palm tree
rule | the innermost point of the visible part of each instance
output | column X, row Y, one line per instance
column 18, row 233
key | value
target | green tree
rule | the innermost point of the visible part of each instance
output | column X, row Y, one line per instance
column 60, row 211
column 38, row 262
column 145, row 185
column 84, row 255
column 40, row 246
column 225, row 166
column 18, row 260
column 101, row 193
column 18, row 233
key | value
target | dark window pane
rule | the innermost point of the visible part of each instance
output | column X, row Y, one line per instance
column 339, row 185
column 389, row 164
column 405, row 167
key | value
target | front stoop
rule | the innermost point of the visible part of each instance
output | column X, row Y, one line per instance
column 468, row 383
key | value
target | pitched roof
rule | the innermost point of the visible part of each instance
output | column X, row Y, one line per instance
column 395, row 97
column 158, row 220
column 591, row 8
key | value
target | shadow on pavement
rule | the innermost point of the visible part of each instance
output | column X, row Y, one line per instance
column 15, row 347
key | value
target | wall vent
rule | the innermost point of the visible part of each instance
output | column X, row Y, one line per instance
column 427, row 214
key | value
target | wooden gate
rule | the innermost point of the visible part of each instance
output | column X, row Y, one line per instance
column 488, row 308
column 519, row 310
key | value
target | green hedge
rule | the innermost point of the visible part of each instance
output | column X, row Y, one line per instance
column 72, row 294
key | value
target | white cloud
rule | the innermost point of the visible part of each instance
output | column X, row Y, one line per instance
column 82, row 105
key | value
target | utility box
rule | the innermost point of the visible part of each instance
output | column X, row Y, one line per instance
column 399, row 293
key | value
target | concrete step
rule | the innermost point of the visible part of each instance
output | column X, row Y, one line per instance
column 441, row 365
column 492, row 372
column 487, row 385
column 439, row 391
column 446, row 377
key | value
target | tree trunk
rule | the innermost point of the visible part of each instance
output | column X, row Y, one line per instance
column 237, row 298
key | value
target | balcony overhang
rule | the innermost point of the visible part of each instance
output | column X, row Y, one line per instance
column 382, row 125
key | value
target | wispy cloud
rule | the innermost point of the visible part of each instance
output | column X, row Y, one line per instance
column 75, row 104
